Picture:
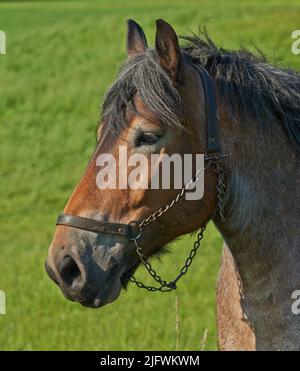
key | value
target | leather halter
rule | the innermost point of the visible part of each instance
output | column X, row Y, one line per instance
column 133, row 230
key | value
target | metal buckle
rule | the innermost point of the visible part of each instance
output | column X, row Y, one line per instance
column 135, row 226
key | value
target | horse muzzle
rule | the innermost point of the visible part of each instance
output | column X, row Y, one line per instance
column 85, row 274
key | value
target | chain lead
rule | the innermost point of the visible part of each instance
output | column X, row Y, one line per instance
column 164, row 286
column 170, row 286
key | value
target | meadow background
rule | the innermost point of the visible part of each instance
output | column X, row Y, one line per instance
column 61, row 57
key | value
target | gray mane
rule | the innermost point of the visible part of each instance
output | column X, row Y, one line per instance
column 251, row 88
column 142, row 75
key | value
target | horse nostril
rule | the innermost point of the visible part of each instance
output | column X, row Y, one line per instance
column 69, row 270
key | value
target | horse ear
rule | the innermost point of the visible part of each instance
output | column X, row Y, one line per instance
column 167, row 48
column 136, row 39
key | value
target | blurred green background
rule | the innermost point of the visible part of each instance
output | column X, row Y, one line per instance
column 61, row 57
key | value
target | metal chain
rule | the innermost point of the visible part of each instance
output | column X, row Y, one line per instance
column 221, row 188
column 242, row 297
column 164, row 285
column 158, row 213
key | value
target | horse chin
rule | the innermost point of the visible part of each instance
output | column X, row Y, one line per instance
column 111, row 290
column 109, row 293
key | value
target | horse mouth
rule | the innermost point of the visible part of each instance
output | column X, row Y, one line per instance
column 108, row 293
column 104, row 294
column 110, row 289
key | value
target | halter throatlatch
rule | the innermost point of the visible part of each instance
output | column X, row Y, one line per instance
column 133, row 230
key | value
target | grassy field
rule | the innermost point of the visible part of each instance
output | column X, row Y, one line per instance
column 61, row 57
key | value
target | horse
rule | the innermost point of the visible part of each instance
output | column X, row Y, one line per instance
column 244, row 115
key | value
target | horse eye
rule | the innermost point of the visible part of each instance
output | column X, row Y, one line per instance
column 146, row 139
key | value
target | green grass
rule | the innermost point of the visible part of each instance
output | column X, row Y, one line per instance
column 61, row 57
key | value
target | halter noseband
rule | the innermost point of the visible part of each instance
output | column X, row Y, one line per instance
column 133, row 230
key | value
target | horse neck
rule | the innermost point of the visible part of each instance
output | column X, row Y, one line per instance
column 262, row 228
